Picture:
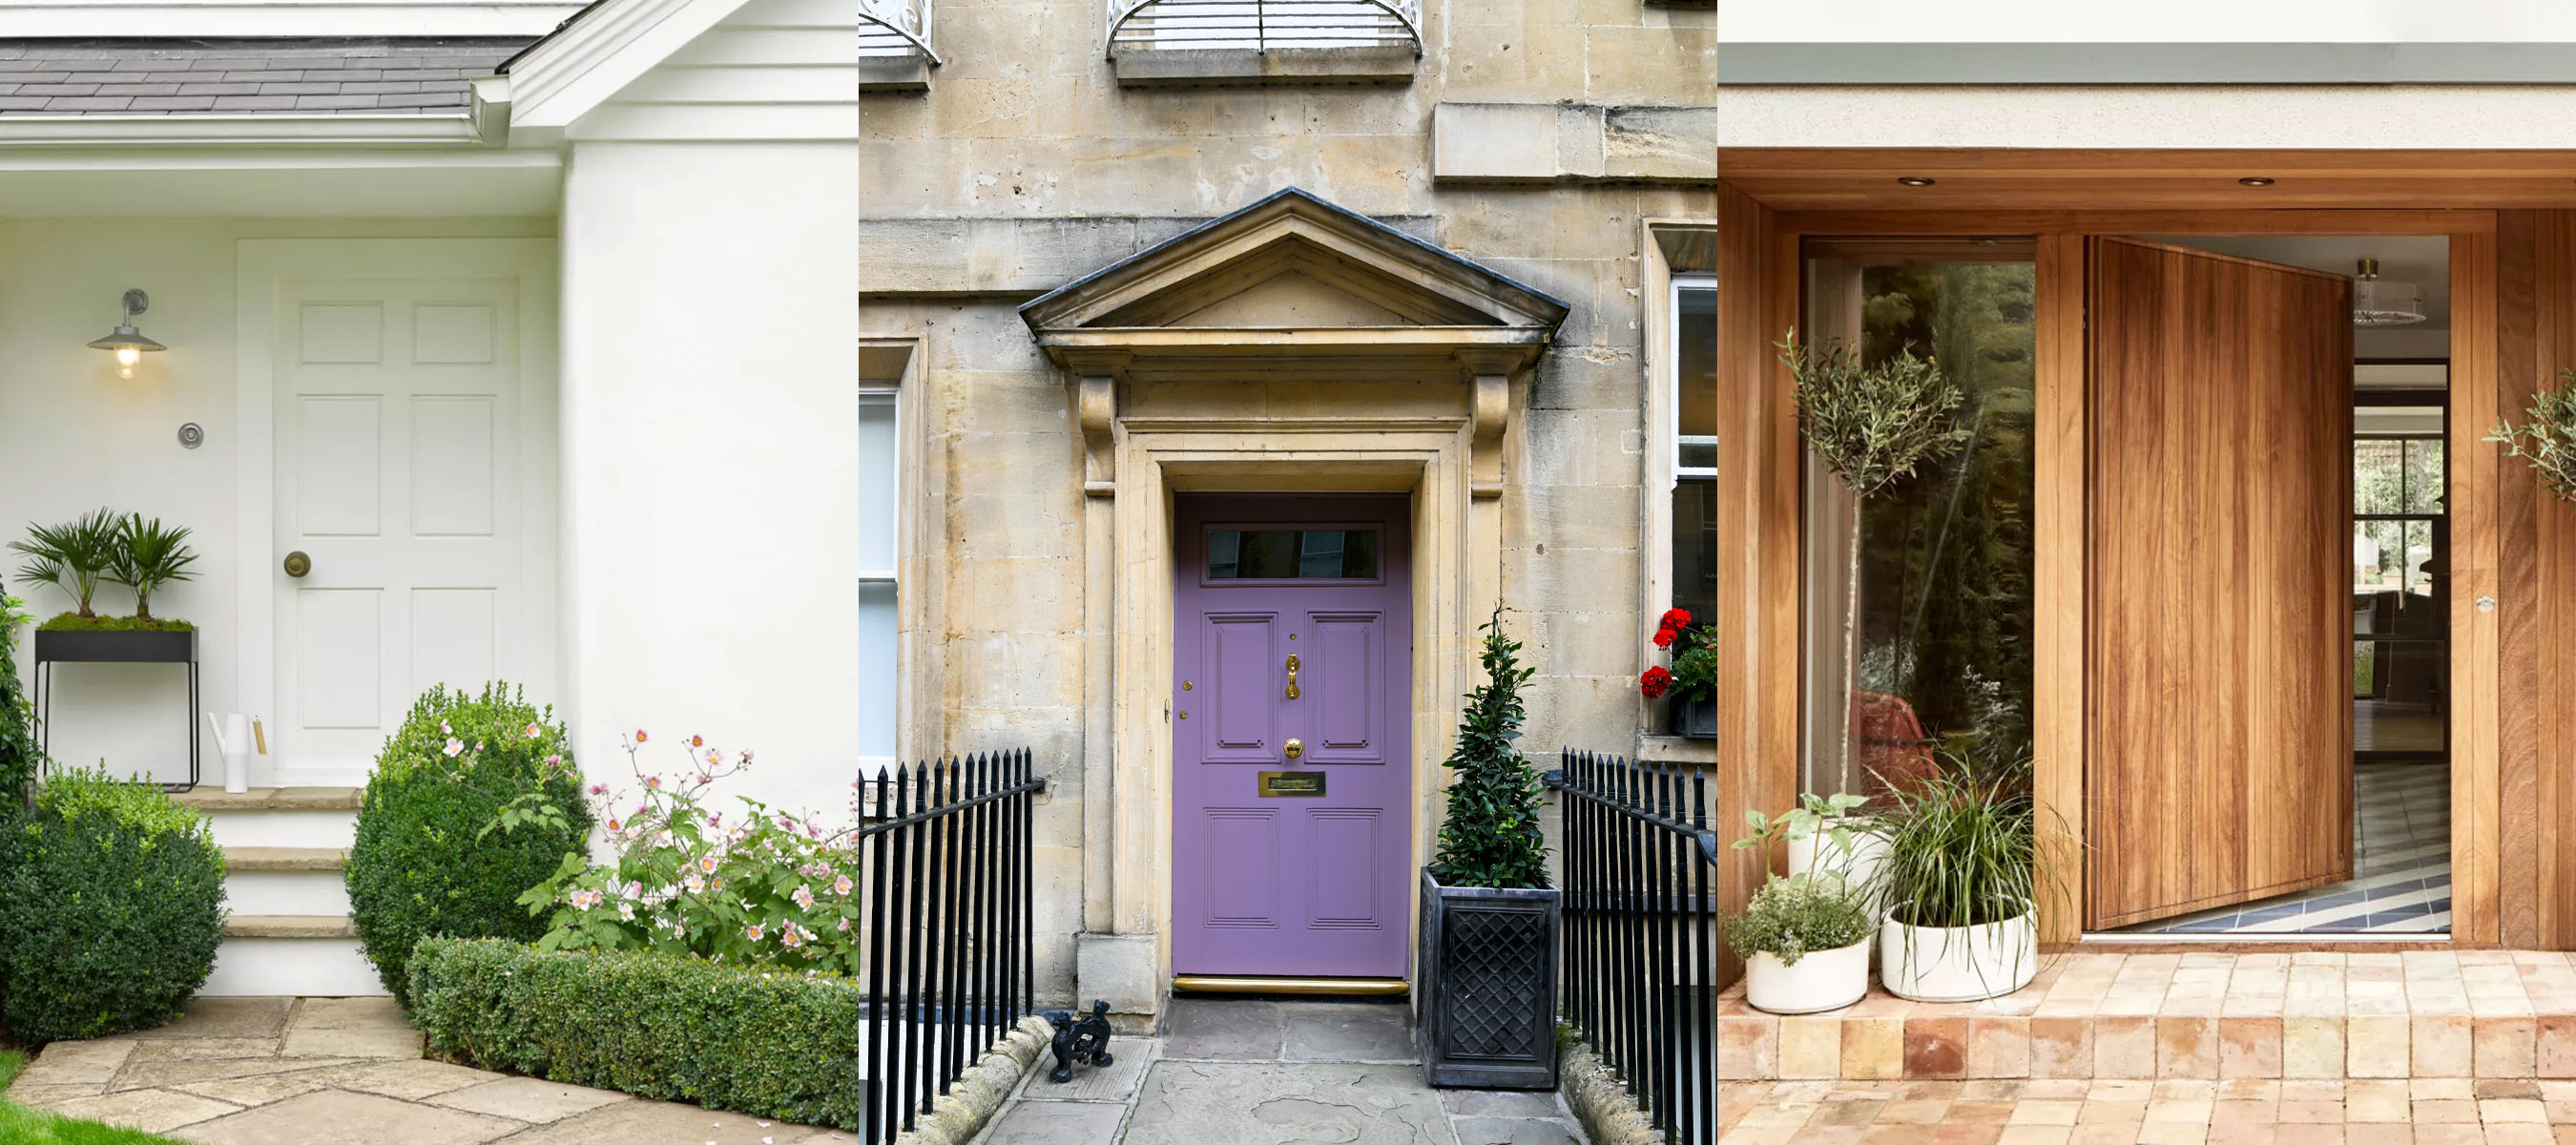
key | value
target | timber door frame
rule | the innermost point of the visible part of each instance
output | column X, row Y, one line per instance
column 1771, row 246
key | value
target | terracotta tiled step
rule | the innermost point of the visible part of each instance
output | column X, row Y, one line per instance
column 216, row 799
column 2487, row 1014
column 289, row 926
column 281, row 859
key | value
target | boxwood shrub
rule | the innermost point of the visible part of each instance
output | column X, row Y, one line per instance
column 422, row 862
column 111, row 905
column 765, row 1042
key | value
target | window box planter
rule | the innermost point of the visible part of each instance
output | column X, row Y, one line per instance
column 1486, row 999
column 1694, row 719
column 98, row 646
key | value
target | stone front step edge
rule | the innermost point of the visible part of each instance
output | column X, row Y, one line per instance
column 217, row 800
column 2439, row 1013
column 283, row 859
column 289, row 926
column 961, row 1112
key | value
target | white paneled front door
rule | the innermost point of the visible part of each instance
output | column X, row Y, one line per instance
column 398, row 406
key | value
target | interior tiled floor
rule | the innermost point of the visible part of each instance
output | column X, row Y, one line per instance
column 2401, row 861
column 2424, row 1111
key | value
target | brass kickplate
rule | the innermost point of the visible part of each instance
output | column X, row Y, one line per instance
column 1292, row 784
column 1331, row 987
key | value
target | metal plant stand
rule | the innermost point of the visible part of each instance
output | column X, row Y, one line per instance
column 82, row 647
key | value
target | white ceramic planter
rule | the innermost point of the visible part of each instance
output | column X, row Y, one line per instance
column 1862, row 868
column 1822, row 980
column 1957, row 964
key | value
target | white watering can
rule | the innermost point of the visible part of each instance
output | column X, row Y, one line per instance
column 234, row 739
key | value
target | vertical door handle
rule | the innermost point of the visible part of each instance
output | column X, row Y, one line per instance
column 1292, row 675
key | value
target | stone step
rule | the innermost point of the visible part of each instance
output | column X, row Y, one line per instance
column 289, row 926
column 216, row 800
column 277, row 859
column 2307, row 1014
column 311, row 967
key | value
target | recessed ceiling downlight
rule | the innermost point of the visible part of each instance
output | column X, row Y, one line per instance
column 2256, row 180
column 1916, row 180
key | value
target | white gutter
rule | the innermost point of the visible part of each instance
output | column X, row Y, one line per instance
column 444, row 130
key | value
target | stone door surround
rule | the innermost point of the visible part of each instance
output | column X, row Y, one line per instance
column 1291, row 346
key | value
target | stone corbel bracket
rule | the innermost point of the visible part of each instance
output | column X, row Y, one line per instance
column 1095, row 407
column 1489, row 377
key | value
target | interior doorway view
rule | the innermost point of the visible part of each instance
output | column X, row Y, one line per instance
column 2396, row 833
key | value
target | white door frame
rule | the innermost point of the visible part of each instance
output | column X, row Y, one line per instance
column 260, row 264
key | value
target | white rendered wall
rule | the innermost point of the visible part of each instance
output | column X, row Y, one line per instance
column 710, row 422
column 73, row 437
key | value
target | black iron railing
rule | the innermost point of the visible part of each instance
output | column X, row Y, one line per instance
column 1640, row 932
column 950, row 953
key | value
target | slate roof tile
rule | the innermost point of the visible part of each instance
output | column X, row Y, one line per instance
column 160, row 76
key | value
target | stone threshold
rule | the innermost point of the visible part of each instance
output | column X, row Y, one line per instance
column 290, row 926
column 215, row 798
column 284, row 858
column 2292, row 1014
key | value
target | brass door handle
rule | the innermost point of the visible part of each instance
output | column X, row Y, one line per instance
column 297, row 564
column 1294, row 748
column 1292, row 687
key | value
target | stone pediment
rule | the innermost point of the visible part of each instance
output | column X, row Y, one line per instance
column 1288, row 281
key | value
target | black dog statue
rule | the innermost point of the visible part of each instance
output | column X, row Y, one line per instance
column 1084, row 1041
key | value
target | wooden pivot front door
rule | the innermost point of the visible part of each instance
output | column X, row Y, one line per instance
column 2220, row 626
column 1292, row 792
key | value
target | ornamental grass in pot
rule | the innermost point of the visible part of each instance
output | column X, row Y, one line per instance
column 1805, row 945
column 1964, row 881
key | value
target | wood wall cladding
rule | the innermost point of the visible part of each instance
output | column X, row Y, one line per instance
column 2220, row 632
column 2536, row 594
column 1757, row 617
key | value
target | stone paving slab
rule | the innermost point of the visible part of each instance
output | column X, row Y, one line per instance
column 2078, row 1111
column 347, row 1071
column 1258, row 1072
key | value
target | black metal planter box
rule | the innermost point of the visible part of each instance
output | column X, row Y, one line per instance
column 1694, row 719
column 1486, row 1001
column 80, row 646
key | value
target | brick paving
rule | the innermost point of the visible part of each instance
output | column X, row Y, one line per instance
column 2075, row 1111
column 2306, row 1014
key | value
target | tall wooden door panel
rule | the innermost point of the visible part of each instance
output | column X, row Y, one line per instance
column 2220, row 754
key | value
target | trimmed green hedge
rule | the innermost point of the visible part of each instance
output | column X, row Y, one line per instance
column 768, row 1043
column 111, row 905
column 422, row 863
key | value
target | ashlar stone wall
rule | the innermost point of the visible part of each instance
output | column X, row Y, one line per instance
column 1026, row 164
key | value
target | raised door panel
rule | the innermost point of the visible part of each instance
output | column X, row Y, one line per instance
column 1345, row 689
column 1233, row 704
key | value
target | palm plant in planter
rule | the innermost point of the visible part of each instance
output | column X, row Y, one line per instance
column 102, row 546
column 74, row 556
column 149, row 556
column 1964, row 883
column 1486, row 1005
column 1805, row 944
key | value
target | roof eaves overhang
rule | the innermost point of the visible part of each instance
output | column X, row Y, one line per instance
column 84, row 131
column 599, row 51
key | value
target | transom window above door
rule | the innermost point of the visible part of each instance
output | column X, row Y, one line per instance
column 1292, row 554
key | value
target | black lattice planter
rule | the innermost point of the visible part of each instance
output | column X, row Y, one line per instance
column 1485, row 1002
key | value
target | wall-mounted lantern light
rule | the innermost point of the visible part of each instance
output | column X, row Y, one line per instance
column 128, row 342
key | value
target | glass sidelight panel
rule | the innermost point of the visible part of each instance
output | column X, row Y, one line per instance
column 1932, row 646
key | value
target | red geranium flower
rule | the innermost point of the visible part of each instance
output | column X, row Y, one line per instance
column 1677, row 618
column 1654, row 682
column 1664, row 637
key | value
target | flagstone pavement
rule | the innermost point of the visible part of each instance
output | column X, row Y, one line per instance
column 346, row 1071
column 2076, row 1111
column 1250, row 1072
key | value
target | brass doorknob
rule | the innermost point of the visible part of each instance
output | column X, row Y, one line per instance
column 297, row 564
column 1294, row 748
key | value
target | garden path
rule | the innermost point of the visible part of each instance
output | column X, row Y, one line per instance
column 1261, row 1071
column 346, row 1071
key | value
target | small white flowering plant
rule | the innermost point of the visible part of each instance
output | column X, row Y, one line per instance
column 756, row 885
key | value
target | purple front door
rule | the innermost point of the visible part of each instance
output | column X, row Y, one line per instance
column 1292, row 812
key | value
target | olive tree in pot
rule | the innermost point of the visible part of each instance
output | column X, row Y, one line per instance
column 1964, row 883
column 1805, row 945
column 1485, row 1007
column 2546, row 440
